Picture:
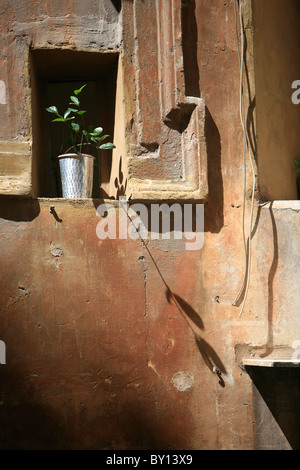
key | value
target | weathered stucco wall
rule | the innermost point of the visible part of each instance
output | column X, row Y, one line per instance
column 99, row 353
column 117, row 344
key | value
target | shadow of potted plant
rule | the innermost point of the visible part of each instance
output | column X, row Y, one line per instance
column 76, row 167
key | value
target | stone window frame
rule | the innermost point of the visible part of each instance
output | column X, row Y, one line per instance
column 165, row 149
column 167, row 158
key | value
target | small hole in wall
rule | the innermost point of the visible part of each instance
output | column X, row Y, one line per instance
column 55, row 74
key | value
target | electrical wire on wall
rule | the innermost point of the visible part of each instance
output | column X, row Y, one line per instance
column 241, row 51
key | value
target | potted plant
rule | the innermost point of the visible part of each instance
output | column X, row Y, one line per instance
column 297, row 164
column 76, row 167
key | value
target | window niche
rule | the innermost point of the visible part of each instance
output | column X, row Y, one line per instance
column 54, row 75
column 276, row 45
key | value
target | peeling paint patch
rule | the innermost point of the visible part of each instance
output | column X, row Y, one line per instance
column 229, row 379
column 56, row 251
column 2, row 92
column 182, row 381
column 152, row 366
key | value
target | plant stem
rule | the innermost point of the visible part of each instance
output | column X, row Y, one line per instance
column 80, row 145
column 62, row 140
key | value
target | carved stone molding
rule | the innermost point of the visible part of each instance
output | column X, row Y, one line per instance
column 165, row 128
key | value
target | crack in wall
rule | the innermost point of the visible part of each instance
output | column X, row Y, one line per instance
column 142, row 259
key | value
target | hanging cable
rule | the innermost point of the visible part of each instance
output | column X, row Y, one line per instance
column 246, row 279
column 244, row 151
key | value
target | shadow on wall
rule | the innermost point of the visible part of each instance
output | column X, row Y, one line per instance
column 214, row 206
column 209, row 355
column 242, row 293
column 19, row 210
column 141, row 425
column 278, row 389
column 120, row 182
column 250, row 119
column 269, row 344
column 192, row 318
column 26, row 424
column 117, row 5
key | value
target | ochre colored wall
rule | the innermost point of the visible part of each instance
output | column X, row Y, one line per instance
column 99, row 352
column 117, row 344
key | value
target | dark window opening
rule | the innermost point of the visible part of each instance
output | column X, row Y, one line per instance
column 54, row 76
column 189, row 47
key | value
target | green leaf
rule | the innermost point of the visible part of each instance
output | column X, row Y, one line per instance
column 52, row 109
column 67, row 113
column 102, row 137
column 107, row 146
column 60, row 119
column 73, row 110
column 89, row 139
column 81, row 112
column 75, row 126
column 97, row 130
column 74, row 100
column 76, row 92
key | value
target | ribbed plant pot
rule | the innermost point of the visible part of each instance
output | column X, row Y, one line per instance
column 76, row 172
